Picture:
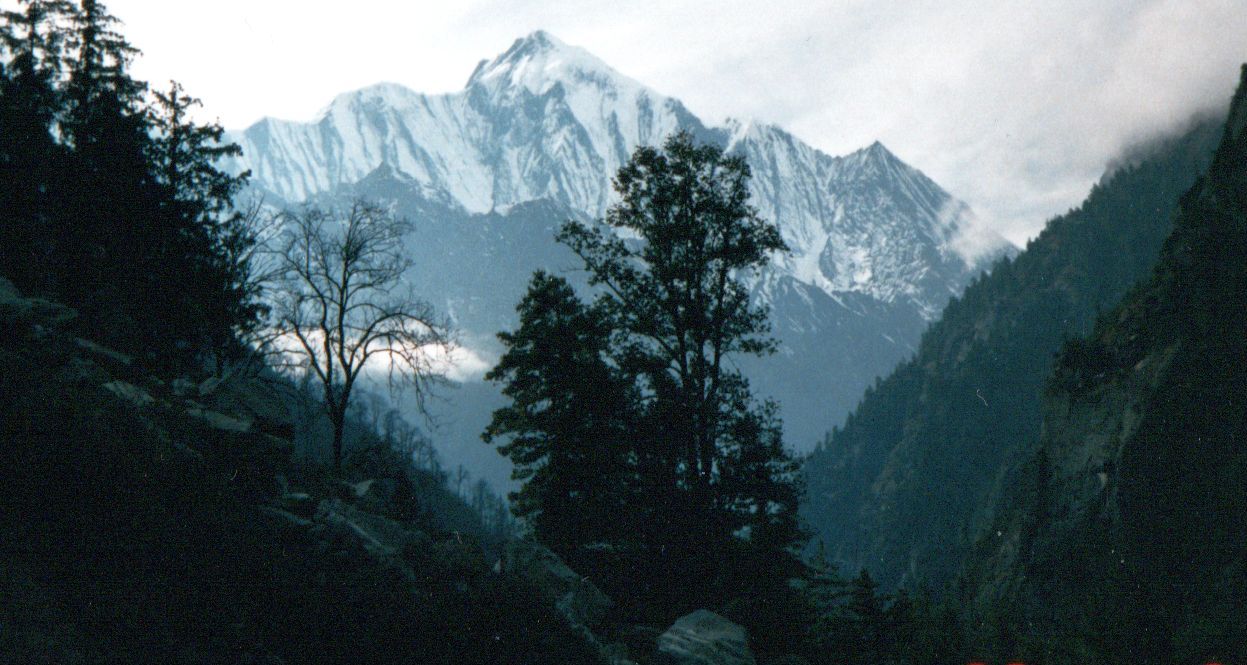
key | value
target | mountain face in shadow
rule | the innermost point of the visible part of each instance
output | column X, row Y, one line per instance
column 1121, row 539
column 912, row 478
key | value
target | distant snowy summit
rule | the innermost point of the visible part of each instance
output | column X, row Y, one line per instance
column 546, row 120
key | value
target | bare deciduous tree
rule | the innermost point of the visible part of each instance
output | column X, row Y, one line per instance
column 339, row 304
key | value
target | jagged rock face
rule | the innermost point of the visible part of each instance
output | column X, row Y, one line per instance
column 541, row 121
column 546, row 120
column 912, row 479
column 705, row 638
column 1122, row 540
column 535, row 137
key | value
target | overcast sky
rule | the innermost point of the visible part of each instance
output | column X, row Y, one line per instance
column 1013, row 106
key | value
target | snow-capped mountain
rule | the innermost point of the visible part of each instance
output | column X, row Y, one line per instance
column 546, row 120
column 542, row 120
column 877, row 247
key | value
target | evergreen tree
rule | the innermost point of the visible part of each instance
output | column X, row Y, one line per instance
column 185, row 156
column 869, row 616
column 30, row 157
column 212, row 242
column 868, row 627
column 567, row 423
column 114, row 205
column 113, row 244
column 710, row 489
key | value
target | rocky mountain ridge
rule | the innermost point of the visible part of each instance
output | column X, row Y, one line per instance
column 1120, row 539
column 546, row 120
column 535, row 137
column 907, row 484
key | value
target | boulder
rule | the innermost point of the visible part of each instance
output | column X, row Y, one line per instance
column 299, row 503
column 130, row 393
column 705, row 638
column 8, row 291
column 285, row 517
column 380, row 533
column 280, row 448
column 252, row 397
column 103, row 352
column 380, row 496
column 578, row 599
column 34, row 314
column 220, row 421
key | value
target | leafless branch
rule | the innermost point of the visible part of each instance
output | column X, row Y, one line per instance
column 339, row 304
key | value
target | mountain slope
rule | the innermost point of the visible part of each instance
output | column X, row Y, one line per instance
column 542, row 120
column 878, row 248
column 546, row 120
column 909, row 481
column 1123, row 540
column 148, row 521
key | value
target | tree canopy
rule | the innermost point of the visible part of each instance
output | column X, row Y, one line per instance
column 646, row 459
column 113, row 198
column 338, row 302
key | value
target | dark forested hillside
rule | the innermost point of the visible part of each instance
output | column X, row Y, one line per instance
column 904, row 486
column 154, row 509
column 1124, row 542
column 110, row 197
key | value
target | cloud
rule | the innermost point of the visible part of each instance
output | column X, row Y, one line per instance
column 462, row 363
column 457, row 362
column 1014, row 106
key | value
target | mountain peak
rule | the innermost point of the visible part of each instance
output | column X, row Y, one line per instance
column 875, row 160
column 876, row 152
column 540, row 60
column 378, row 95
column 548, row 120
column 538, row 40
column 533, row 44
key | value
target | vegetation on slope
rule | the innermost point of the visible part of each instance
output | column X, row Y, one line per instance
column 1124, row 542
column 905, row 486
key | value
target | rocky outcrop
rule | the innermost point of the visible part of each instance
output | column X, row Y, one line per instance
column 575, row 596
column 33, row 314
column 705, row 638
column 260, row 400
column 1121, row 540
column 913, row 477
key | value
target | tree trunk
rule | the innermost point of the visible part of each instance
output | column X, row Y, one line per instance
column 339, row 426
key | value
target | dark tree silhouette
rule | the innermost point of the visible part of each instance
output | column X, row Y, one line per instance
column 567, row 426
column 629, row 413
column 112, row 200
column 339, row 305
column 31, row 160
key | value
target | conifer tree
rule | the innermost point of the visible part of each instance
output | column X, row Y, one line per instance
column 213, row 241
column 112, row 204
column 30, row 157
column 711, row 491
column 567, row 423
column 114, row 246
